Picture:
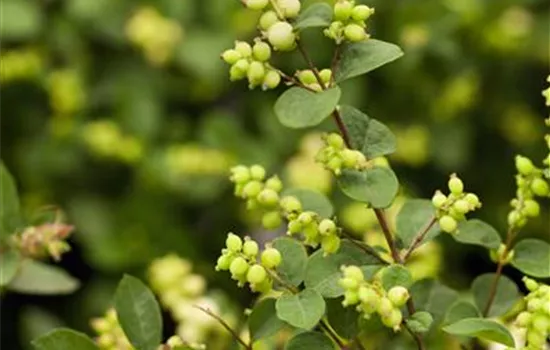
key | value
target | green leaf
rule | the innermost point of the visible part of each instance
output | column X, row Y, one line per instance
column 64, row 339
column 316, row 15
column 299, row 108
column 323, row 272
column 9, row 201
column 420, row 322
column 263, row 321
column 377, row 186
column 9, row 264
column 312, row 201
column 138, row 313
column 431, row 296
column 477, row 232
column 395, row 275
column 368, row 135
column 344, row 320
column 294, row 260
column 506, row 293
column 532, row 257
column 413, row 218
column 481, row 328
column 309, row 341
column 460, row 310
column 20, row 19
column 360, row 58
column 302, row 310
column 38, row 278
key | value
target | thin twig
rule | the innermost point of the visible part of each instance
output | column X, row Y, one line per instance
column 419, row 238
column 326, row 327
column 381, row 216
column 225, row 325
column 417, row 338
column 367, row 249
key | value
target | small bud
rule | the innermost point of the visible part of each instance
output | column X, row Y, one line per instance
column 231, row 56
column 455, row 185
column 448, row 224
column 306, row 76
column 326, row 75
column 335, row 140
column 290, row 8
column 461, row 206
column 540, row 187
column 233, row 243
column 257, row 172
column 281, row 36
column 256, row 274
column 243, row 48
column 439, row 199
column 473, row 200
column 342, row 10
column 256, row 4
column 261, row 51
column 271, row 258
column 223, row 263
column 272, row 220
column 238, row 267
column 531, row 208
column 354, row 32
column 252, row 189
column 524, row 165
column 361, row 13
column 268, row 19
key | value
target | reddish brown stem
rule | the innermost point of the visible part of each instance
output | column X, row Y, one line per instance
column 418, row 239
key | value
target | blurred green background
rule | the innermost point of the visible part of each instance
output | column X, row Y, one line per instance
column 121, row 113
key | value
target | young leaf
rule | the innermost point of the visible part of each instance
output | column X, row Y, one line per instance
column 308, row 341
column 532, row 257
column 302, row 310
column 506, row 293
column 316, row 15
column 312, row 200
column 9, row 264
column 482, row 328
column 263, row 321
column 360, row 58
column 413, row 218
column 368, row 135
column 38, row 278
column 477, row 232
column 433, row 297
column 420, row 322
column 9, row 203
column 460, row 310
column 377, row 186
column 323, row 272
column 299, row 108
column 395, row 275
column 64, row 339
column 138, row 313
column 344, row 320
column 294, row 260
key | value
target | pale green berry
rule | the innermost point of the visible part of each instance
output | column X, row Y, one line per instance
column 327, row 227
column 393, row 319
column 256, row 73
column 257, row 172
column 515, row 219
column 271, row 258
column 238, row 267
column 448, row 224
column 473, row 200
column 524, row 319
column 231, row 56
column 461, row 206
column 540, row 323
column 335, row 164
column 272, row 220
column 268, row 19
column 342, row 10
column 233, row 243
column 274, row 183
column 326, row 75
column 290, row 8
column 261, row 51
column 242, row 65
column 334, row 31
column 268, row 198
column 335, row 140
column 534, row 305
column 236, row 72
column 305, row 218
column 315, row 87
column 535, row 339
column 350, row 158
column 240, row 174
column 398, row 295
column 175, row 341
column 348, row 283
column 439, row 199
column 306, row 76
column 368, row 296
column 350, row 298
column 265, row 286
column 455, row 185
column 524, row 165
column 243, row 48
column 281, row 36
column 385, row 306
column 272, row 79
column 531, row 208
column 250, row 248
column 353, row 272
column 361, row 12
column 256, row 274
column 223, row 263
column 354, row 32
column 252, row 189
column 294, row 226
column 330, row 244
column 256, row 4
column 530, row 284
column 291, row 204
column 540, row 187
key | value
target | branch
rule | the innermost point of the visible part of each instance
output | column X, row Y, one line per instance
column 326, row 327
column 418, row 238
column 381, row 216
column 225, row 325
column 366, row 248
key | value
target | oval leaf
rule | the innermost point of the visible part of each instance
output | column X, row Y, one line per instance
column 532, row 257
column 477, row 232
column 377, row 186
column 38, row 278
column 312, row 201
column 360, row 58
column 413, row 218
column 138, row 313
column 299, row 108
column 316, row 15
column 461, row 310
column 433, row 297
column 263, row 321
column 344, row 320
column 302, row 310
column 506, row 293
column 308, row 341
column 395, row 275
column 9, row 264
column 64, row 339
column 294, row 260
column 9, row 203
column 481, row 328
column 420, row 322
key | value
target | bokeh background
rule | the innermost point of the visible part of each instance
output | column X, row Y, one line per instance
column 121, row 113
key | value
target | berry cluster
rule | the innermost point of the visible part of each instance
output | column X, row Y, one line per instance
column 536, row 319
column 316, row 231
column 241, row 259
column 110, row 335
column 453, row 208
column 371, row 298
column 308, row 78
column 44, row 240
column 105, row 139
column 349, row 22
column 16, row 65
column 335, row 156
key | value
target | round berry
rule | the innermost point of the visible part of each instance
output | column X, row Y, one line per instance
column 272, row 79
column 348, row 283
column 305, row 218
column 350, row 298
column 274, row 183
column 461, row 206
column 271, row 220
column 335, row 140
column 271, row 258
column 455, row 185
column 398, row 295
column 256, row 73
column 240, row 174
column 268, row 19
column 352, row 158
column 393, row 319
column 473, row 200
column 290, row 8
column 326, row 75
column 252, row 189
column 291, row 204
column 540, row 187
column 523, row 319
column 531, row 208
column 306, row 76
column 236, row 72
column 315, row 87
column 223, row 263
column 439, row 199
column 524, row 165
column 261, row 51
column 353, row 272
column 264, row 287
column 361, row 12
column 243, row 48
column 330, row 244
column 534, row 305
column 530, row 284
column 327, row 227
column 268, row 198
column 250, row 248
column 541, row 323
column 448, row 224
column 342, row 10
column 385, row 306
column 294, row 226
column 257, row 172
column 354, row 32
column 334, row 31
column 335, row 164
column 256, row 274
column 231, row 56
column 233, row 243
column 256, row 4
column 238, row 266
column 368, row 296
column 281, row 36
column 175, row 341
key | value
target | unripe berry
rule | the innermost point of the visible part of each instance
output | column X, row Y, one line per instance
column 353, row 272
column 326, row 75
column 243, row 48
column 306, row 76
column 305, row 218
column 261, row 51
column 256, row 73
column 350, row 158
column 238, row 267
column 327, row 227
column 534, row 305
column 250, row 248
column 342, row 10
column 238, row 70
column 368, row 296
column 281, row 36
column 294, row 226
column 348, row 283
column 530, row 284
column 291, row 204
column 256, row 4
column 240, row 174
column 439, row 199
column 515, row 219
column 271, row 258
column 524, row 165
column 385, row 307
column 268, row 19
column 535, row 339
column 264, row 287
column 455, row 185
column 274, row 183
column 334, row 31
column 223, row 263
column 461, row 206
column 531, row 208
column 290, row 8
column 472, row 199
column 524, row 319
column 448, row 224
column 361, row 12
column 233, row 243
column 272, row 79
column 175, row 341
column 393, row 319
column 252, row 189
column 335, row 140
column 354, row 32
column 256, row 274
column 540, row 323
column 268, row 197
column 540, row 187
column 231, row 56
column 330, row 244
column 350, row 298
column 335, row 164
column 272, row 220
column 398, row 295
column 315, row 87
column 257, row 172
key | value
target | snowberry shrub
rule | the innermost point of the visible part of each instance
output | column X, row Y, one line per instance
column 327, row 287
